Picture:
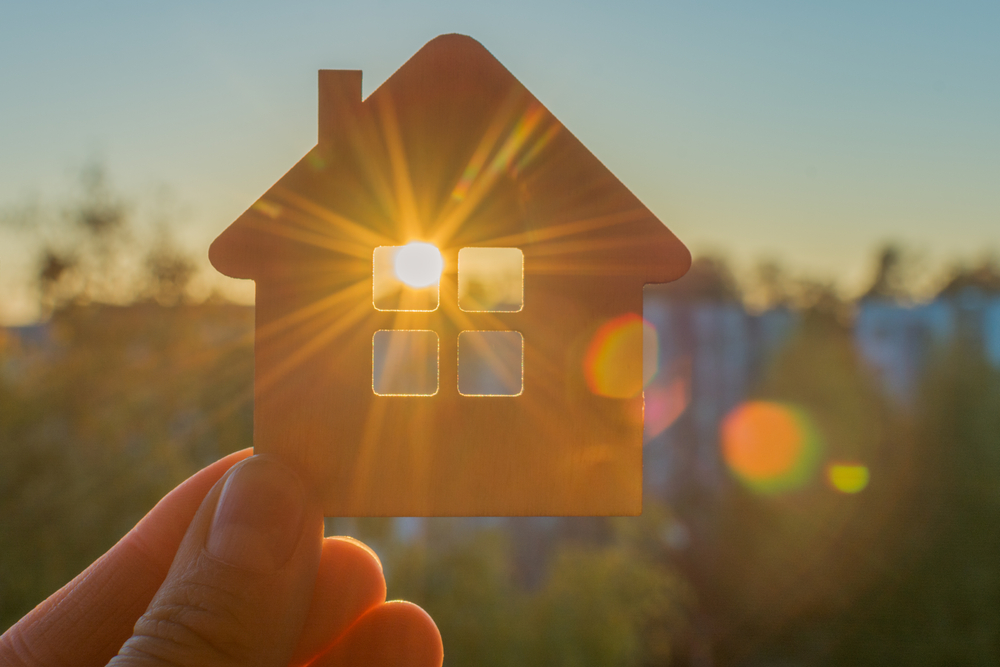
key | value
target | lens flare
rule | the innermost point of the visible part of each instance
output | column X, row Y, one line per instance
column 418, row 264
column 663, row 405
column 770, row 447
column 847, row 477
column 611, row 363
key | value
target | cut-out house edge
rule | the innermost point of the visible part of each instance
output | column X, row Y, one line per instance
column 622, row 239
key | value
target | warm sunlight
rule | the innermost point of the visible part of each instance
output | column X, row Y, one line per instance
column 418, row 264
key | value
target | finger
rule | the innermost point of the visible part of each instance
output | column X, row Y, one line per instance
column 240, row 585
column 391, row 634
column 86, row 621
column 348, row 584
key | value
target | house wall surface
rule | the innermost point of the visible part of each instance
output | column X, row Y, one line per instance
column 554, row 449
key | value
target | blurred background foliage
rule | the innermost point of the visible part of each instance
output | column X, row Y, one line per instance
column 130, row 384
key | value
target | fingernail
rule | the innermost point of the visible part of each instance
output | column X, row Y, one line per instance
column 258, row 519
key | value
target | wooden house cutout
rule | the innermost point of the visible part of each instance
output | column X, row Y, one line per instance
column 430, row 281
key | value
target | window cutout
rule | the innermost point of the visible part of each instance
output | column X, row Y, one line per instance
column 405, row 363
column 406, row 277
column 490, row 363
column 490, row 279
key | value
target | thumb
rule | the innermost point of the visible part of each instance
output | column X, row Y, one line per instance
column 239, row 587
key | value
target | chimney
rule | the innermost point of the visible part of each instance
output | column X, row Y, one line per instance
column 339, row 100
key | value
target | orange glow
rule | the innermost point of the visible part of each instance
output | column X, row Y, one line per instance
column 613, row 364
column 771, row 447
column 761, row 440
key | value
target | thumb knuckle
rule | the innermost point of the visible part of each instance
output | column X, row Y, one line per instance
column 194, row 623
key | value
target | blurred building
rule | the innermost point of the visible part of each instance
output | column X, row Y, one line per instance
column 897, row 341
column 710, row 356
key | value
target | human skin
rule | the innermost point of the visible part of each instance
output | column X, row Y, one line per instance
column 229, row 568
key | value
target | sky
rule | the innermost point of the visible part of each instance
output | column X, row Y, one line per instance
column 807, row 133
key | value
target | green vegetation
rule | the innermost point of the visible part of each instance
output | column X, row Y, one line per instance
column 614, row 602
column 98, row 423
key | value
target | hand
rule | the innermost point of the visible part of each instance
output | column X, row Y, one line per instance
column 230, row 568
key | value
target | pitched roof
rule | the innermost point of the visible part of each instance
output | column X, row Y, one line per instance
column 453, row 149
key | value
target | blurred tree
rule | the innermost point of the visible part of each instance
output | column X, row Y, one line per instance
column 983, row 277
column 87, row 252
column 899, row 274
column 888, row 280
column 104, row 412
column 601, row 607
column 95, row 249
column 615, row 603
column 114, row 400
column 938, row 604
column 769, row 287
column 904, row 572
column 780, row 558
column 169, row 271
column 709, row 279
column 464, row 583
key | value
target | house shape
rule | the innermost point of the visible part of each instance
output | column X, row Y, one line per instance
column 431, row 279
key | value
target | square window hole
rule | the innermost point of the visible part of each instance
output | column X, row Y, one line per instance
column 490, row 279
column 406, row 277
column 405, row 363
column 490, row 363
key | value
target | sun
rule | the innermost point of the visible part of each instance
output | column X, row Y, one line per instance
column 418, row 264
